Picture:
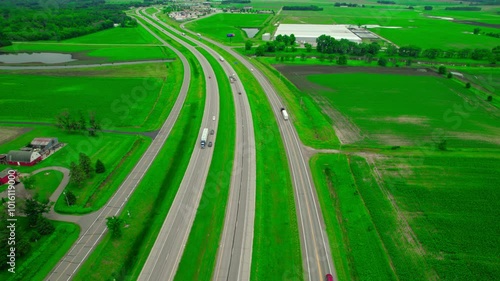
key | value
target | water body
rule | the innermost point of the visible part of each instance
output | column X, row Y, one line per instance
column 251, row 31
column 48, row 58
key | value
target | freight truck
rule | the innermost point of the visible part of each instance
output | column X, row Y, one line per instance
column 204, row 137
column 285, row 114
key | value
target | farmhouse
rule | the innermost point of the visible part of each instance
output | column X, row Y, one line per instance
column 23, row 158
column 44, row 144
column 307, row 33
column 4, row 176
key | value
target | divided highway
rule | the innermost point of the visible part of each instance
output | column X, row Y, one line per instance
column 89, row 237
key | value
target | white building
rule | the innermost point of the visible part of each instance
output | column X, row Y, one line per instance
column 307, row 33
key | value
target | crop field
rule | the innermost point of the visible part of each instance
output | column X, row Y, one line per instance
column 370, row 107
column 117, row 35
column 120, row 102
column 219, row 25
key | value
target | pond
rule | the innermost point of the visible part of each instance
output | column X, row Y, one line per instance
column 48, row 58
column 251, row 31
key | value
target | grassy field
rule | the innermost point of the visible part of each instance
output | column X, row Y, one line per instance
column 44, row 254
column 355, row 243
column 117, row 35
column 414, row 110
column 219, row 25
column 45, row 184
column 200, row 254
column 124, row 258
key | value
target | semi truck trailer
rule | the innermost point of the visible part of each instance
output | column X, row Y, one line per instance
column 204, row 137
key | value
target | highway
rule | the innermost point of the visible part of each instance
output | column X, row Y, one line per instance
column 317, row 261
column 90, row 236
column 235, row 248
column 167, row 250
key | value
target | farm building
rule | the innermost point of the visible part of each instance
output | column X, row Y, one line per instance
column 23, row 158
column 307, row 33
column 4, row 176
column 44, row 144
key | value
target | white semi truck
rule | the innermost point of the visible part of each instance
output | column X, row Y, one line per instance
column 204, row 137
column 285, row 114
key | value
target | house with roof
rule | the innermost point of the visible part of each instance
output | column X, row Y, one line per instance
column 4, row 176
column 44, row 144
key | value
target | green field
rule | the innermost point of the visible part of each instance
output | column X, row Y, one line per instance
column 45, row 184
column 117, row 35
column 219, row 25
column 410, row 110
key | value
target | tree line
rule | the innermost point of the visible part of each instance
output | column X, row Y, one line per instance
column 30, row 20
column 70, row 123
column 303, row 8
column 329, row 45
column 83, row 170
column 413, row 51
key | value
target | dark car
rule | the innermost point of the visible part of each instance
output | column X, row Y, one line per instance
column 210, row 145
column 212, row 132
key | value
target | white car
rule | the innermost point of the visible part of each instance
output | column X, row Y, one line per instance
column 213, row 118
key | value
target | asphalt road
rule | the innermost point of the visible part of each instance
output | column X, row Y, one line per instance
column 316, row 255
column 91, row 235
column 166, row 253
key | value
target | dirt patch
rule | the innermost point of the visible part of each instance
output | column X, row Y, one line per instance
column 9, row 133
column 478, row 23
column 405, row 119
column 475, row 137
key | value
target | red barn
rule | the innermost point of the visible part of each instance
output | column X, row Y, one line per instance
column 23, row 158
column 4, row 176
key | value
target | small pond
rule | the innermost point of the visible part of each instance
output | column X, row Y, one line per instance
column 251, row 31
column 48, row 58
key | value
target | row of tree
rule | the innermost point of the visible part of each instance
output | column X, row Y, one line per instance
column 69, row 123
column 83, row 170
column 303, row 8
column 329, row 45
column 27, row 20
column 432, row 53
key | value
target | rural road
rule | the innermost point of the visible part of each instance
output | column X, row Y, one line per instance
column 167, row 250
column 316, row 254
column 46, row 67
column 91, row 235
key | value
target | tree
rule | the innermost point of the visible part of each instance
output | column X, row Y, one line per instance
column 115, row 226
column 442, row 70
column 260, row 51
column 95, row 125
column 34, row 209
column 489, row 98
column 382, row 61
column 342, row 60
column 70, row 198
column 82, row 122
column 44, row 226
column 99, row 167
column 85, row 164
column 29, row 182
column 292, row 39
column 391, row 50
column 467, row 85
column 302, row 57
column 477, row 30
column 308, row 47
column 428, row 8
column 248, row 45
column 76, row 173
column 409, row 62
column 442, row 145
column 449, row 75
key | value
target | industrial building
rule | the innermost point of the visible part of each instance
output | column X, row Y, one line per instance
column 307, row 33
column 43, row 144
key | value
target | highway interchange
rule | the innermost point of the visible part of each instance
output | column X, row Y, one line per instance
column 235, row 248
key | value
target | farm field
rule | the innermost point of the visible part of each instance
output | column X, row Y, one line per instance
column 219, row 25
column 117, row 35
column 413, row 109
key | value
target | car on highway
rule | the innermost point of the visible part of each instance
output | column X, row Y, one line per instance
column 212, row 132
column 210, row 145
column 213, row 118
column 329, row 277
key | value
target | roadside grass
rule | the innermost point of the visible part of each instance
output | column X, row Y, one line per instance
column 449, row 203
column 124, row 258
column 200, row 254
column 44, row 254
column 143, row 101
column 46, row 183
column 95, row 54
column 217, row 26
column 117, row 35
column 314, row 128
column 355, row 244
column 388, row 109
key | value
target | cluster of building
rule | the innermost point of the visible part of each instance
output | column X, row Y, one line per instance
column 36, row 151
column 308, row 33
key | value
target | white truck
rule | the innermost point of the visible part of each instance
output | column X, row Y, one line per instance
column 285, row 114
column 204, row 137
column 221, row 58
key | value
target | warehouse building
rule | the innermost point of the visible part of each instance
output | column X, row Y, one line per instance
column 307, row 33
column 23, row 158
column 44, row 144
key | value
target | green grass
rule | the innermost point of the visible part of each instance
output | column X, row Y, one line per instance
column 450, row 204
column 44, row 254
column 200, row 254
column 46, row 183
column 143, row 101
column 356, row 247
column 404, row 110
column 123, row 258
column 219, row 25
column 117, row 35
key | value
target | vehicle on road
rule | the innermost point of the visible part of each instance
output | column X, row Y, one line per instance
column 212, row 132
column 284, row 113
column 221, row 58
column 204, row 137
column 213, row 118
column 329, row 277
column 209, row 144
